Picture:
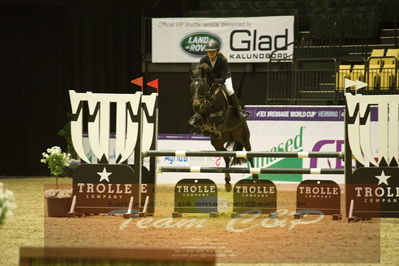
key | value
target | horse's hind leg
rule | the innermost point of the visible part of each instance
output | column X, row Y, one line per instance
column 227, row 177
column 252, row 162
column 242, row 136
column 218, row 145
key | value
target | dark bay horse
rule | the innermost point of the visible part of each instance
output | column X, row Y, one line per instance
column 217, row 118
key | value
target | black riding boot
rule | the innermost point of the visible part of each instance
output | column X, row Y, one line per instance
column 196, row 120
column 236, row 104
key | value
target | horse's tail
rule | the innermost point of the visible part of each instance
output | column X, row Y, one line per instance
column 237, row 147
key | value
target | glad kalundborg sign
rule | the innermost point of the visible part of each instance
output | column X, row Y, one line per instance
column 243, row 40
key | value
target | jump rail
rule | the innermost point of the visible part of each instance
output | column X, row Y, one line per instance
column 243, row 170
column 243, row 154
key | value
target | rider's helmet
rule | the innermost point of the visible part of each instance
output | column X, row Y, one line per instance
column 212, row 45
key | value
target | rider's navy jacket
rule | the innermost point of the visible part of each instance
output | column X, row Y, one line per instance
column 221, row 69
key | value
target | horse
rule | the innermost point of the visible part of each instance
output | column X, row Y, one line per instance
column 217, row 118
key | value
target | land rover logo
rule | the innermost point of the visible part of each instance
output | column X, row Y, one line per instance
column 194, row 43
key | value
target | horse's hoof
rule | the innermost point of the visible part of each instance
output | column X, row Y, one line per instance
column 228, row 187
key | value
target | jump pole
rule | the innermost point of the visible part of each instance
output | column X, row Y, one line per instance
column 242, row 154
column 244, row 170
column 153, row 153
column 346, row 155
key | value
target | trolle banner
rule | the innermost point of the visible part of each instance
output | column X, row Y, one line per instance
column 242, row 40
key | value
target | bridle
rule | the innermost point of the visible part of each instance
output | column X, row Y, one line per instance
column 210, row 97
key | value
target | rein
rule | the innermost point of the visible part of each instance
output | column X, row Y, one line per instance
column 210, row 98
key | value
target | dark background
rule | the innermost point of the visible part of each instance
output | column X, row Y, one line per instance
column 48, row 47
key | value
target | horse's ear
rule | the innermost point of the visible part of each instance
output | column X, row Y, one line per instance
column 192, row 70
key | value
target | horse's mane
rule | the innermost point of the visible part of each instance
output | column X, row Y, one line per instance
column 202, row 71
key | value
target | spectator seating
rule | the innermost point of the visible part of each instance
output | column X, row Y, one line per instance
column 358, row 73
column 381, row 71
column 374, row 65
column 389, row 71
column 344, row 71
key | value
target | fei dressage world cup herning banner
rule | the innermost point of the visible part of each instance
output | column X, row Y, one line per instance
column 242, row 40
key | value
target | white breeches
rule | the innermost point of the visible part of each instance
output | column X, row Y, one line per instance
column 229, row 86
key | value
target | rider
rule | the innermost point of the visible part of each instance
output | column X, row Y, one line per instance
column 218, row 63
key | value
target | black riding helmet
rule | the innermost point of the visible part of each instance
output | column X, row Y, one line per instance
column 212, row 45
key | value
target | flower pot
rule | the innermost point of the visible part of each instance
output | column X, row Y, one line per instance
column 57, row 207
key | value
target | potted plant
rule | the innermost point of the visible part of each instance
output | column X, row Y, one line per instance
column 7, row 204
column 58, row 200
column 65, row 133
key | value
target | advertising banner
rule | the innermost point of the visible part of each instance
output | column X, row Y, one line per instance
column 276, row 129
column 296, row 129
column 242, row 40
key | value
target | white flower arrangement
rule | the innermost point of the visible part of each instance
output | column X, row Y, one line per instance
column 56, row 160
column 58, row 193
column 7, row 204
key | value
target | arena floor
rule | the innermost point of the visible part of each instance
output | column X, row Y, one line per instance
column 317, row 240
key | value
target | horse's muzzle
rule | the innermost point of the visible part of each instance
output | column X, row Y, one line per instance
column 196, row 105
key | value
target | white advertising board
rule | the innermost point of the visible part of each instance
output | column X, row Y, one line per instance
column 242, row 39
column 273, row 128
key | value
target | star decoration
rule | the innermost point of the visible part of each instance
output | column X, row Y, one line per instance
column 382, row 178
column 104, row 175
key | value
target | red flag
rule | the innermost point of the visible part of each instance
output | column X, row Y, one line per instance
column 154, row 84
column 138, row 82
